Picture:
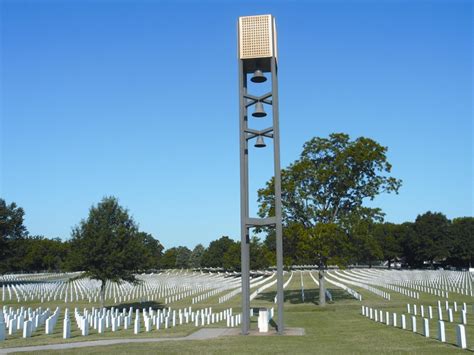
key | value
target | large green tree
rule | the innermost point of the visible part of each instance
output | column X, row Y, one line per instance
column 389, row 237
column 153, row 251
column 214, row 253
column 108, row 246
column 43, row 254
column 330, row 181
column 366, row 247
column 168, row 260
column 432, row 234
column 182, row 257
column 12, row 231
column 260, row 257
column 196, row 256
column 461, row 232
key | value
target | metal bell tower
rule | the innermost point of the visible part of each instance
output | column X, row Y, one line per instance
column 257, row 48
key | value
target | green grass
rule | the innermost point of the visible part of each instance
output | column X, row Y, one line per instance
column 335, row 329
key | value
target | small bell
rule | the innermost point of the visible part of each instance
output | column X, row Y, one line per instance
column 259, row 111
column 258, row 77
column 260, row 143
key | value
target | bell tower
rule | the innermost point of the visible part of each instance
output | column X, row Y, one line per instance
column 257, row 56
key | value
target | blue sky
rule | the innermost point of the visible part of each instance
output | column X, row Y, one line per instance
column 138, row 99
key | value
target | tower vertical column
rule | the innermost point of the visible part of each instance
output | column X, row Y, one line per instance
column 244, row 205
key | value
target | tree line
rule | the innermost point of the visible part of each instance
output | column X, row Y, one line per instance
column 431, row 240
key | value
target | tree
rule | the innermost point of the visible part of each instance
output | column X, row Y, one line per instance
column 43, row 254
column 196, row 256
column 108, row 246
column 153, row 251
column 432, row 232
column 11, row 230
column 367, row 247
column 461, row 233
column 168, row 260
column 329, row 182
column 410, row 244
column 231, row 258
column 389, row 237
column 214, row 253
column 182, row 257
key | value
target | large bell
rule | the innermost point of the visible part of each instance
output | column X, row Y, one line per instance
column 259, row 111
column 260, row 143
column 258, row 77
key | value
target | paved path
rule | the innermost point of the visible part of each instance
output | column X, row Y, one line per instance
column 202, row 334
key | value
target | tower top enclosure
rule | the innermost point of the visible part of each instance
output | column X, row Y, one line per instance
column 257, row 42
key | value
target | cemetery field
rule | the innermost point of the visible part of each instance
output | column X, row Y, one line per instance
column 339, row 327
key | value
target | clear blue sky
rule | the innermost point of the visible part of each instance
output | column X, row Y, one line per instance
column 138, row 99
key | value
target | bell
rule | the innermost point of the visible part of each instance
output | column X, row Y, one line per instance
column 258, row 77
column 260, row 143
column 259, row 111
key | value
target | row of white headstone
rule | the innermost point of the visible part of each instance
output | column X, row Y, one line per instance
column 413, row 309
column 371, row 279
column 253, row 283
column 386, row 318
column 437, row 282
column 26, row 321
column 349, row 290
column 347, row 279
column 168, row 286
column 110, row 319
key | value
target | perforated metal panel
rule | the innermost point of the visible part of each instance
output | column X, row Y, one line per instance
column 256, row 36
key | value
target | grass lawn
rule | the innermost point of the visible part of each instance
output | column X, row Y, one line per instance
column 337, row 328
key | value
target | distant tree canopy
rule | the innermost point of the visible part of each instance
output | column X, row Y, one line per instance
column 213, row 256
column 195, row 259
column 461, row 236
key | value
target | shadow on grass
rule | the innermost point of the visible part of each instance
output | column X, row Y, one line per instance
column 311, row 296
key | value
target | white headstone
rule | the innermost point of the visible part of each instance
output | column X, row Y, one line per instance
column 441, row 331
column 85, row 326
column 413, row 324
column 461, row 336
column 101, row 325
column 450, row 315
column 66, row 328
column 136, row 327
column 12, row 326
column 2, row 330
column 27, row 329
column 426, row 327
column 263, row 320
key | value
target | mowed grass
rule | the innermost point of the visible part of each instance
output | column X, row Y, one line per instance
column 338, row 328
